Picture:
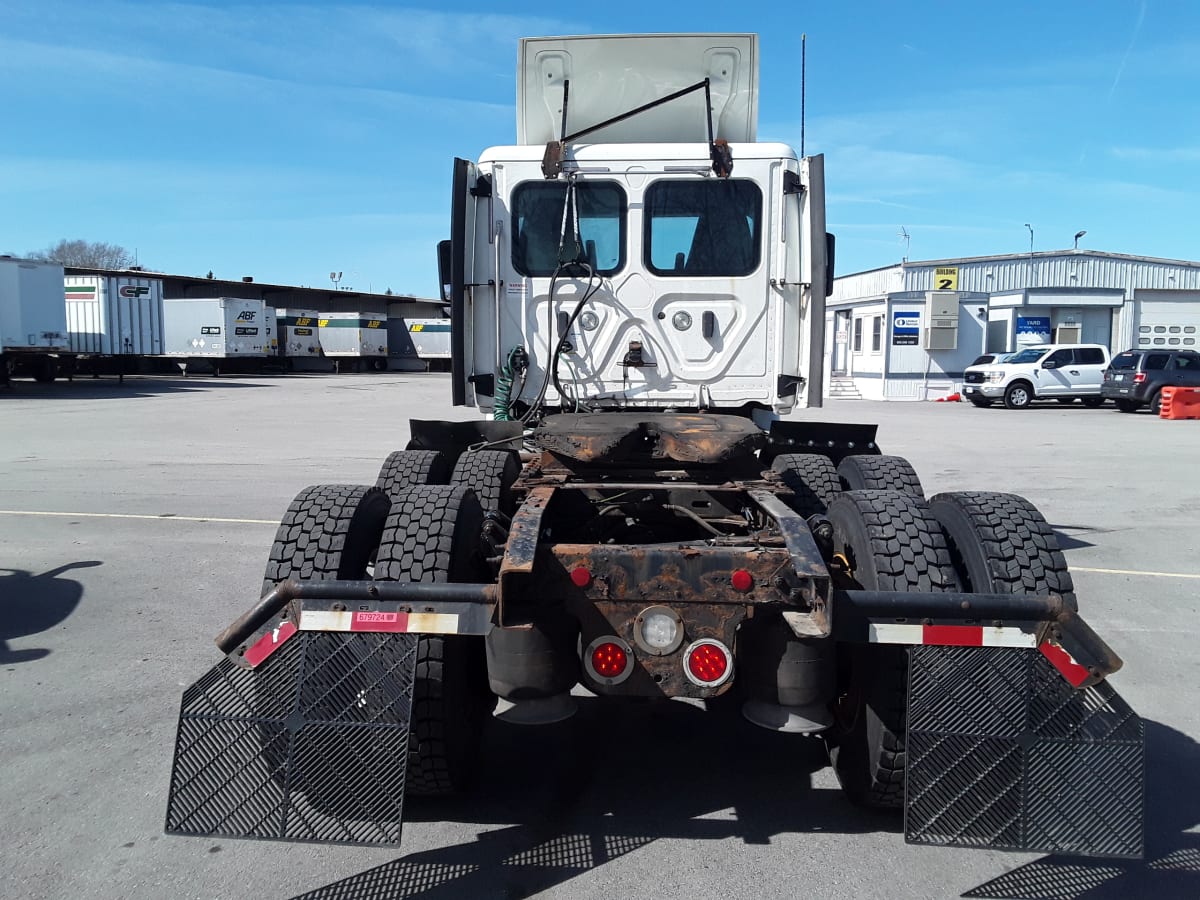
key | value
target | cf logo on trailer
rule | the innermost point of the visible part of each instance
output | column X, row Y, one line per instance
column 246, row 315
column 132, row 290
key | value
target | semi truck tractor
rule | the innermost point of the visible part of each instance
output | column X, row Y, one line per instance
column 650, row 508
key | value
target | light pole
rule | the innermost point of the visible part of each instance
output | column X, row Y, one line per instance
column 335, row 277
column 1030, row 227
column 1078, row 235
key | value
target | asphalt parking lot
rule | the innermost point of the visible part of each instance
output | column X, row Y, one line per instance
column 135, row 521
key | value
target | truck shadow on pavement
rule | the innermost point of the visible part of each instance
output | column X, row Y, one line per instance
column 109, row 388
column 590, row 792
column 1171, row 867
column 31, row 604
column 606, row 783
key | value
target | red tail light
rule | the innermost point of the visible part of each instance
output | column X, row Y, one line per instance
column 608, row 660
column 1139, row 378
column 708, row 663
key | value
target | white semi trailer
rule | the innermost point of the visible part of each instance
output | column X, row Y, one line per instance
column 113, row 321
column 213, row 330
column 33, row 321
column 358, row 336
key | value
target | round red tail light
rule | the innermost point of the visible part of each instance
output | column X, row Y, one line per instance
column 708, row 663
column 581, row 577
column 742, row 580
column 608, row 660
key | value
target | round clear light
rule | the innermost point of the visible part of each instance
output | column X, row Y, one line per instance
column 589, row 321
column 682, row 320
column 660, row 630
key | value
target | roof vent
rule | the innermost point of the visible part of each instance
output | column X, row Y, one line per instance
column 247, row 278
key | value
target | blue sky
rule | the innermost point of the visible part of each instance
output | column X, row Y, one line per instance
column 283, row 140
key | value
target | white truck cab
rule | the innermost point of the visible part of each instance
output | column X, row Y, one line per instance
column 1040, row 372
column 658, row 258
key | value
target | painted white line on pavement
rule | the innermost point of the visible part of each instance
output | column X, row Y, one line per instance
column 164, row 518
column 1134, row 572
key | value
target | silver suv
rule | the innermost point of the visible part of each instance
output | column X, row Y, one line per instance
column 1059, row 372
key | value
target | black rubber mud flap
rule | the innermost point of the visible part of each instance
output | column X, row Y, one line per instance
column 1004, row 754
column 310, row 746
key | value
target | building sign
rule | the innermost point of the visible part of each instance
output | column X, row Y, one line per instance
column 1033, row 330
column 906, row 328
column 945, row 278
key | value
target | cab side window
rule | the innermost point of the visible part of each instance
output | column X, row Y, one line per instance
column 1089, row 356
column 1155, row 361
column 1060, row 357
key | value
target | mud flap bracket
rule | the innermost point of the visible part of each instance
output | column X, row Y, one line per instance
column 1004, row 753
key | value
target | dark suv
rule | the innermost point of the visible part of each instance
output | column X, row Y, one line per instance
column 1136, row 377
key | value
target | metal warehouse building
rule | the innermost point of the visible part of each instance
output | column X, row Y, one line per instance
column 906, row 332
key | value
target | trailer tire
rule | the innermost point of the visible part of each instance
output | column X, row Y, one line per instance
column 490, row 474
column 1000, row 544
column 432, row 535
column 404, row 469
column 891, row 542
column 813, row 479
column 879, row 473
column 45, row 369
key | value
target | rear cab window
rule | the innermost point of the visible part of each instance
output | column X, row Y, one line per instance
column 1125, row 361
column 703, row 228
column 537, row 217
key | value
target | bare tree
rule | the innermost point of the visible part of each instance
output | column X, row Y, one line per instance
column 86, row 254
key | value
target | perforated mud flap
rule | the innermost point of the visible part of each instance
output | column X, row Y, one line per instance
column 310, row 746
column 1004, row 753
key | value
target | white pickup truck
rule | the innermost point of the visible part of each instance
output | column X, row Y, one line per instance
column 1059, row 372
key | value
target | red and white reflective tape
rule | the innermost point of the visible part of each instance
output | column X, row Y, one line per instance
column 953, row 635
column 1066, row 665
column 391, row 622
column 257, row 652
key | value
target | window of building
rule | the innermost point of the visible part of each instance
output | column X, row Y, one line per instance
column 858, row 330
column 876, row 334
column 537, row 225
column 703, row 228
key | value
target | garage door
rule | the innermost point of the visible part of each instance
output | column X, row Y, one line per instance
column 1168, row 319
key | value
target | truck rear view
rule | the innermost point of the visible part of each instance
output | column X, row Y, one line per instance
column 637, row 292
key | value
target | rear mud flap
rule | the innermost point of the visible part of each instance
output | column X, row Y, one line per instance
column 310, row 746
column 1003, row 753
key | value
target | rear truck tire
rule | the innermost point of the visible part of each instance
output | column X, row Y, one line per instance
column 404, row 469
column 1156, row 403
column 330, row 531
column 891, row 542
column 879, row 473
column 432, row 535
column 981, row 402
column 1127, row 406
column 813, row 480
column 490, row 474
column 1019, row 395
column 1092, row 402
column 1000, row 544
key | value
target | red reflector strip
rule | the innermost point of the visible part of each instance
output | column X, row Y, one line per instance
column 1065, row 663
column 952, row 635
column 268, row 644
column 389, row 622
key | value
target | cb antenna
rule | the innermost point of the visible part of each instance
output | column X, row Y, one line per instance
column 907, row 238
column 803, row 66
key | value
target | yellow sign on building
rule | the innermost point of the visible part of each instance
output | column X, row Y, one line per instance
column 945, row 278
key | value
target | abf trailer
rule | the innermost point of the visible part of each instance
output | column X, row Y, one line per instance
column 214, row 329
column 298, row 338
column 355, row 335
column 33, row 322
column 637, row 293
